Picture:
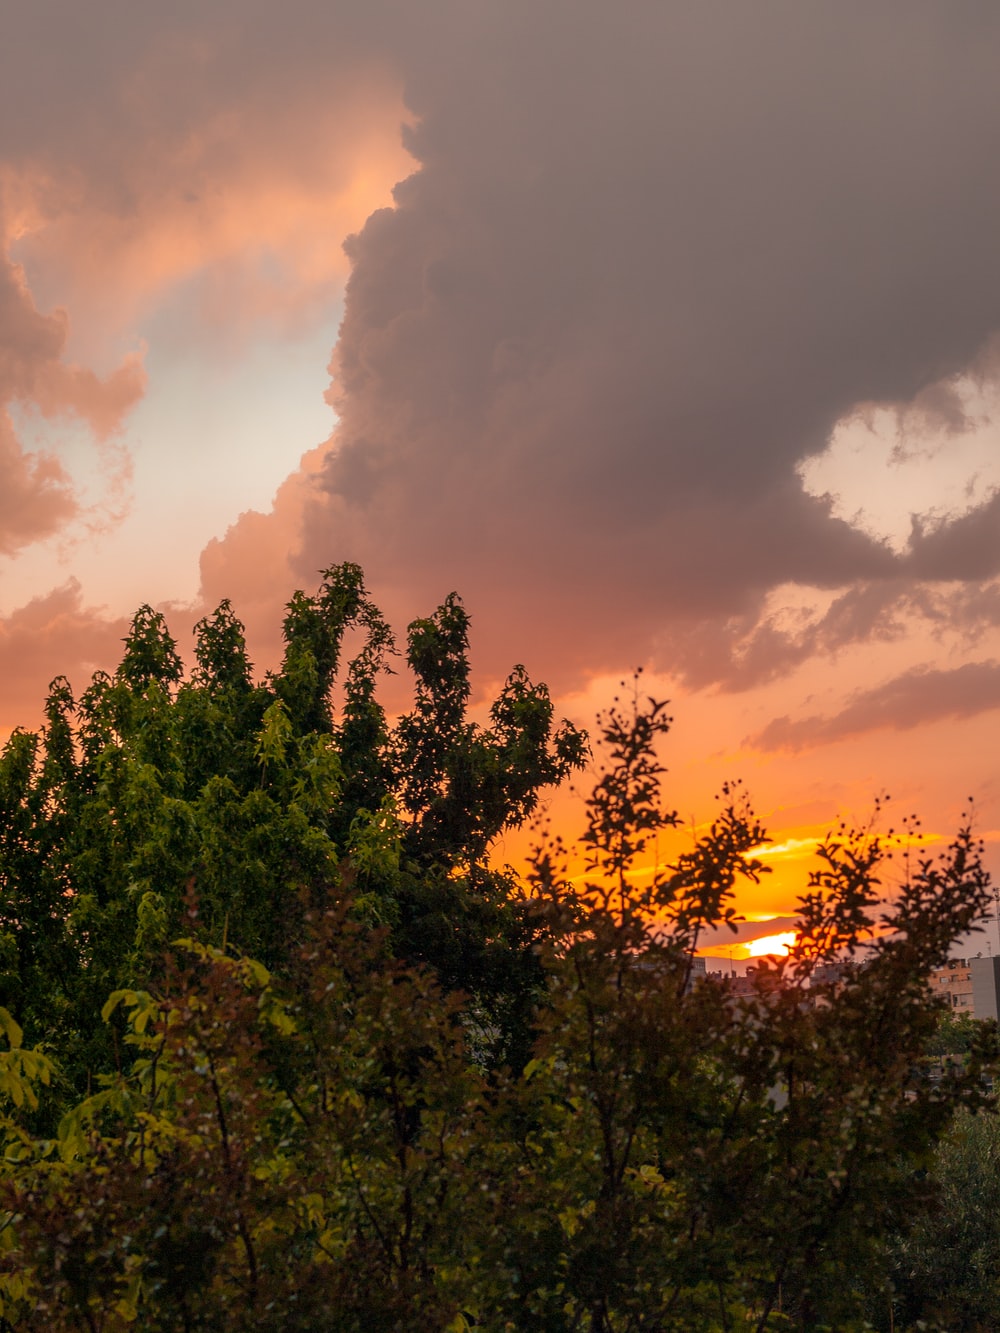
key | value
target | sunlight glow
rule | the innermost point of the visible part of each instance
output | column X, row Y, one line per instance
column 771, row 944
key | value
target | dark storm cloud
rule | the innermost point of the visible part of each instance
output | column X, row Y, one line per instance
column 909, row 700
column 652, row 254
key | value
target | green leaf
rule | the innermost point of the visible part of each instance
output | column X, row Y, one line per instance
column 12, row 1029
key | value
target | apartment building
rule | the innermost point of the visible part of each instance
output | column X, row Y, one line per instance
column 953, row 983
column 969, row 986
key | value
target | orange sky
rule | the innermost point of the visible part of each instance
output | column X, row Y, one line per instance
column 675, row 344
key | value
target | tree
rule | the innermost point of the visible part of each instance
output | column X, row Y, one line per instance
column 955, row 1035
column 291, row 1158
column 715, row 1162
column 322, row 1146
column 263, row 796
column 944, row 1260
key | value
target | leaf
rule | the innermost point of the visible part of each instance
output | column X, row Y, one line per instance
column 12, row 1029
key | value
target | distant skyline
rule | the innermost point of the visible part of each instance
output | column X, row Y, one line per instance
column 666, row 334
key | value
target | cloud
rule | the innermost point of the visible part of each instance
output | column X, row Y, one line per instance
column 719, row 937
column 36, row 493
column 638, row 265
column 912, row 699
column 967, row 547
column 775, row 636
column 191, row 170
column 211, row 158
column 792, row 626
column 648, row 262
column 53, row 635
column 35, row 496
column 253, row 562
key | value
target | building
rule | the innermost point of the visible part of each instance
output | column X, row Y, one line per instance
column 985, row 987
column 830, row 974
column 699, row 970
column 969, row 986
column 953, row 983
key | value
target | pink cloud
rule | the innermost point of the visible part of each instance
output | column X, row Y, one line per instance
column 51, row 636
column 36, row 493
column 36, row 498
column 254, row 562
column 61, row 390
column 230, row 200
column 181, row 172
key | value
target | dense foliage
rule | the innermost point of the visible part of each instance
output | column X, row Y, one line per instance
column 945, row 1266
column 285, row 1051
column 261, row 798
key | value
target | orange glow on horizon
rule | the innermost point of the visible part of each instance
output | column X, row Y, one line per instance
column 788, row 859
column 764, row 946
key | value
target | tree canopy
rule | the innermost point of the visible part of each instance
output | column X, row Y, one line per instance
column 261, row 797
column 284, row 1048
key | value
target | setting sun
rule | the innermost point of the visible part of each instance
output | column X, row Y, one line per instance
column 771, row 944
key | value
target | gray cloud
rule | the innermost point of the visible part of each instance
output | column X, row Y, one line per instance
column 967, row 547
column 649, row 259
column 764, row 644
column 909, row 700
column 745, row 651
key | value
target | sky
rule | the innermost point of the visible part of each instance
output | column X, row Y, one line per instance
column 668, row 334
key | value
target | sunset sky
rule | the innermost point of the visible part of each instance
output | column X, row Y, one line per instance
column 666, row 333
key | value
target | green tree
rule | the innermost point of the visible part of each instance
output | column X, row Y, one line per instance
column 711, row 1161
column 945, row 1258
column 955, row 1035
column 262, row 796
column 320, row 1148
column 291, row 1159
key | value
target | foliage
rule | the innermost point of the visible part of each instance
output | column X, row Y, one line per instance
column 945, row 1264
column 734, row 1159
column 307, row 1125
column 955, row 1035
column 269, row 1157
column 261, row 796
